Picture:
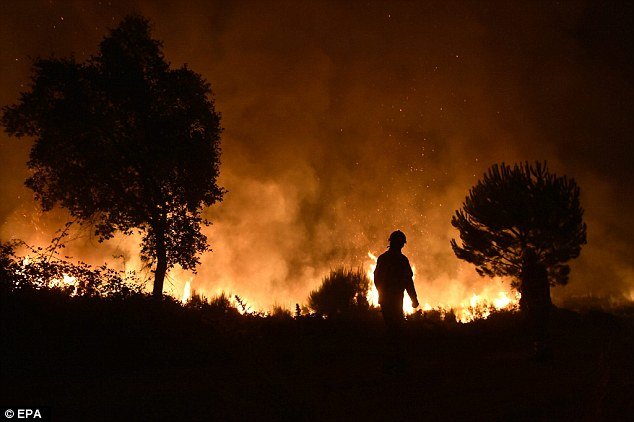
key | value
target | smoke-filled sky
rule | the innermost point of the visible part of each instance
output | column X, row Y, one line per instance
column 346, row 120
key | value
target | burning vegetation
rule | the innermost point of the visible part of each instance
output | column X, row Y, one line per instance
column 343, row 122
column 122, row 166
column 315, row 181
column 143, row 178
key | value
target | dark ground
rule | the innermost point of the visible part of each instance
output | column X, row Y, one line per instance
column 92, row 359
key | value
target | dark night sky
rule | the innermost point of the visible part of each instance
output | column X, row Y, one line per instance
column 344, row 120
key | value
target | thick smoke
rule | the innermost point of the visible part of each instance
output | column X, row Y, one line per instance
column 345, row 120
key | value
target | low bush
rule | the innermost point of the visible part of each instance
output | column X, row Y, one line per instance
column 343, row 292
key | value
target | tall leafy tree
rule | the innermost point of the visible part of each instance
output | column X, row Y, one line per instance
column 125, row 142
column 514, row 209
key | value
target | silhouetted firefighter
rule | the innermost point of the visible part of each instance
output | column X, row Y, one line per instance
column 535, row 290
column 392, row 276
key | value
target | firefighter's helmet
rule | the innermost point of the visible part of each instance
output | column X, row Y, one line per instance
column 398, row 237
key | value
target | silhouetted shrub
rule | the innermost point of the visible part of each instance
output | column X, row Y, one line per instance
column 222, row 303
column 279, row 312
column 342, row 292
column 218, row 306
column 44, row 268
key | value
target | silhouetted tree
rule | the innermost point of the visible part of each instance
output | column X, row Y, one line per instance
column 342, row 292
column 514, row 209
column 126, row 143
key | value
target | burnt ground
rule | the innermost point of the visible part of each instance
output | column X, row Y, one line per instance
column 94, row 359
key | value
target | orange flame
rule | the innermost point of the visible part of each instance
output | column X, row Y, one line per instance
column 65, row 281
column 187, row 292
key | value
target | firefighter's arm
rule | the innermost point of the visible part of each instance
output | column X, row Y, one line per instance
column 409, row 286
column 411, row 291
column 379, row 275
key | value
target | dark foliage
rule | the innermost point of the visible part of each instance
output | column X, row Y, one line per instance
column 135, row 358
column 45, row 269
column 218, row 306
column 516, row 208
column 126, row 143
column 176, row 362
column 342, row 292
column 280, row 312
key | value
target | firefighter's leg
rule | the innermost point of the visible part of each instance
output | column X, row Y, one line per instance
column 393, row 317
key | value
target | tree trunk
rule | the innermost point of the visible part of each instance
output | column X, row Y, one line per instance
column 161, row 265
column 522, row 289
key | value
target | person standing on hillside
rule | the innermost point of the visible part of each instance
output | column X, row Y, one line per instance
column 393, row 276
